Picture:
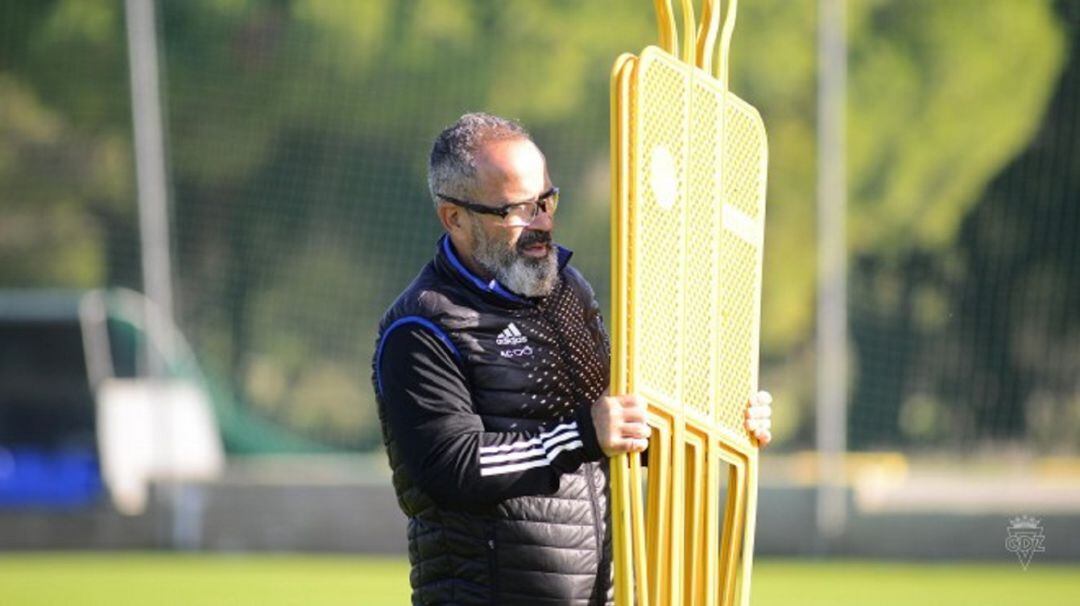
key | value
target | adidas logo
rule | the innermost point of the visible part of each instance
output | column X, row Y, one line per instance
column 511, row 336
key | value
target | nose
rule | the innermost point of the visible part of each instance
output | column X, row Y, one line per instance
column 543, row 221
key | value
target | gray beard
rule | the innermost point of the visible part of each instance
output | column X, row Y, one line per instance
column 523, row 275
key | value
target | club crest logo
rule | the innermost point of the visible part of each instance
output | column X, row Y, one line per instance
column 1025, row 538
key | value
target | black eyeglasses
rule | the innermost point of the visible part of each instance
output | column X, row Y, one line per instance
column 518, row 213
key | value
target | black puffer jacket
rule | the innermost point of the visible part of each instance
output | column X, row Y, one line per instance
column 484, row 400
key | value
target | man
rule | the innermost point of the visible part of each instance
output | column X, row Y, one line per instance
column 490, row 371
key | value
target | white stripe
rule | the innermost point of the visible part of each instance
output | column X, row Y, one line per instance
column 513, row 446
column 513, row 456
column 486, row 459
column 566, row 427
column 568, row 446
column 571, row 425
column 565, row 437
column 494, row 471
column 514, row 329
column 547, row 460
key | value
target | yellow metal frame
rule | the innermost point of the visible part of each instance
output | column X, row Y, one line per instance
column 688, row 200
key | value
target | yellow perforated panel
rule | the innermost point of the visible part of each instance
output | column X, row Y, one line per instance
column 743, row 220
column 694, row 242
column 688, row 210
column 656, row 231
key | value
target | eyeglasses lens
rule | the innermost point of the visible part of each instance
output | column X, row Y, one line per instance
column 524, row 214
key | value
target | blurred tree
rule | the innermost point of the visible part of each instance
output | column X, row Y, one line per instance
column 65, row 175
column 1019, row 291
column 298, row 138
column 942, row 96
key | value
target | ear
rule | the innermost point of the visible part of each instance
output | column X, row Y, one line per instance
column 450, row 216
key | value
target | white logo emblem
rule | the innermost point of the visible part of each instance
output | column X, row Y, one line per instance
column 1025, row 538
column 663, row 177
column 516, row 353
column 511, row 336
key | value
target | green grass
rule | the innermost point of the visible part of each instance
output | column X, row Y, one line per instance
column 851, row 583
column 165, row 579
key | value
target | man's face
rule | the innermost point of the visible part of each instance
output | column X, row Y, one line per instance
column 522, row 257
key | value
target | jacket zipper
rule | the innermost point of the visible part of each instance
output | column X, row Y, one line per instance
column 595, row 513
column 493, row 565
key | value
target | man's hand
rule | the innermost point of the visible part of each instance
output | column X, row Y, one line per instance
column 759, row 417
column 620, row 424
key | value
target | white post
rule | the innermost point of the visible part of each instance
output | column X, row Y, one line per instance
column 150, row 172
column 832, row 270
column 152, row 187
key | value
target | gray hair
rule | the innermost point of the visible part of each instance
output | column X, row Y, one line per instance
column 452, row 164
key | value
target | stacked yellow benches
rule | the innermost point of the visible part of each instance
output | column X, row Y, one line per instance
column 689, row 164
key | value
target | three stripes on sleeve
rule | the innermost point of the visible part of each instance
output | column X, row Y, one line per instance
column 529, row 453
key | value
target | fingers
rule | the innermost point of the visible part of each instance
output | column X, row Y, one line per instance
column 631, row 445
column 759, row 417
column 634, row 427
column 759, row 412
column 620, row 424
column 634, row 412
column 633, row 408
column 763, row 437
column 756, row 425
column 636, row 430
column 760, row 406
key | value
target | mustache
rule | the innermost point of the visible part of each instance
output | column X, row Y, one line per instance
column 530, row 238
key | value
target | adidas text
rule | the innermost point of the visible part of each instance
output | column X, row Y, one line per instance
column 511, row 336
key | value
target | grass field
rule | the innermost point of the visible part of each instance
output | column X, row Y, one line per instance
column 163, row 579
